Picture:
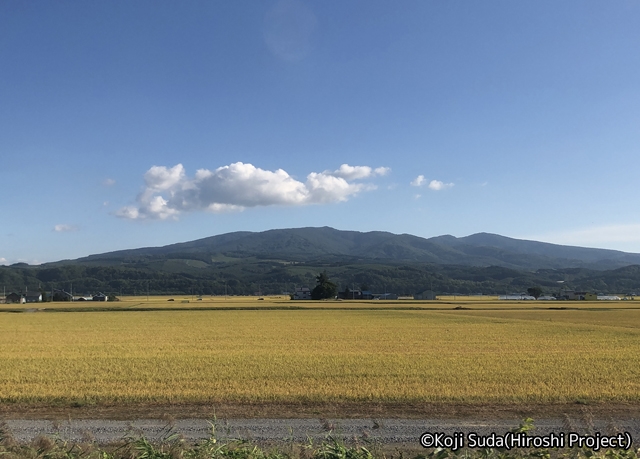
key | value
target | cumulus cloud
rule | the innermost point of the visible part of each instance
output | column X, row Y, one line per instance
column 3, row 261
column 62, row 228
column 418, row 181
column 437, row 185
column 168, row 192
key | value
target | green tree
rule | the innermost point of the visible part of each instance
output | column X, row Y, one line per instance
column 324, row 288
column 535, row 292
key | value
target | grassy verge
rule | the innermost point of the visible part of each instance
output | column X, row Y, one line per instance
column 173, row 446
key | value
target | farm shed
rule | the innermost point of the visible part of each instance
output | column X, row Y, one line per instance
column 426, row 295
column 14, row 298
column 367, row 295
column 355, row 294
column 34, row 297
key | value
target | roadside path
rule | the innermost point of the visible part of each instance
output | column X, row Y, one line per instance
column 384, row 431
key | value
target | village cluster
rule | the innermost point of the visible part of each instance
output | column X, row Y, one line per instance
column 304, row 293
column 57, row 295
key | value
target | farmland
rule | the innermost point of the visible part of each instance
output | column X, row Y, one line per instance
column 489, row 352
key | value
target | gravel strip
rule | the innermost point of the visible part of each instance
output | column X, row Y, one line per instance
column 384, row 431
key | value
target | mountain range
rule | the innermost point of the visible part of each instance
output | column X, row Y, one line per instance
column 327, row 244
column 278, row 260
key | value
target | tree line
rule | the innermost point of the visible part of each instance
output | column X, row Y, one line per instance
column 268, row 277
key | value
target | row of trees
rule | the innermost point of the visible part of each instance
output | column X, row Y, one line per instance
column 268, row 277
column 326, row 289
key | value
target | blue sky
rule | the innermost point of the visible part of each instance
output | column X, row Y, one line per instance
column 128, row 124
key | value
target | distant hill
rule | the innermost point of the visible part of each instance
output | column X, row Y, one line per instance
column 276, row 261
column 326, row 244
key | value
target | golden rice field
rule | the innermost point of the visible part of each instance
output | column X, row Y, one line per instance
column 271, row 355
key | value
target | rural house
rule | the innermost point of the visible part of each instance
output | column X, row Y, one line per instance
column 33, row 297
column 302, row 293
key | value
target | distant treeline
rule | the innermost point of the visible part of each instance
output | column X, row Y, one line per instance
column 273, row 277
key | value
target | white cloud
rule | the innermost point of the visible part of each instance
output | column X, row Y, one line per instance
column 62, row 228
column 130, row 212
column 159, row 178
column 437, row 185
column 169, row 191
column 358, row 172
column 418, row 181
column 3, row 261
column 108, row 182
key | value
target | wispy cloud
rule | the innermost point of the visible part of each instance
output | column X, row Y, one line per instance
column 358, row 172
column 63, row 228
column 108, row 182
column 418, row 181
column 601, row 236
column 168, row 192
column 437, row 185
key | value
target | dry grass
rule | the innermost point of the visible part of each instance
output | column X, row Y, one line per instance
column 320, row 355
